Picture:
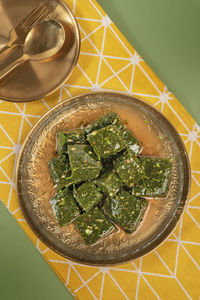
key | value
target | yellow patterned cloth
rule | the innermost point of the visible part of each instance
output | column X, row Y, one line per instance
column 108, row 62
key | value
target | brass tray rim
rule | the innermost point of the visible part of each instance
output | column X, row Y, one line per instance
column 69, row 73
column 171, row 226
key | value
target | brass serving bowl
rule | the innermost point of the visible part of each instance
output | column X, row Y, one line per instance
column 35, row 79
column 35, row 187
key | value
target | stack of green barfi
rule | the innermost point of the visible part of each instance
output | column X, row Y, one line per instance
column 101, row 181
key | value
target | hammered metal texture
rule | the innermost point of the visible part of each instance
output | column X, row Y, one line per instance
column 35, row 186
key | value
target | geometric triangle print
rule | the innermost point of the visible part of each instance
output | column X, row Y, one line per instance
column 195, row 201
column 9, row 107
column 5, row 191
column 114, row 84
column 145, row 291
column 91, row 73
column 152, row 264
column 5, row 139
column 95, row 286
column 4, row 153
column 194, row 192
column 160, row 85
column 84, row 293
column 13, row 201
column 187, row 234
column 117, row 64
column 195, row 153
column 85, row 6
column 105, row 73
column 126, row 75
column 90, row 26
column 8, row 165
column 168, row 252
column 188, row 273
column 166, row 288
column 113, row 46
column 97, row 39
column 25, row 130
column 129, row 285
column 194, row 251
column 87, row 47
column 41, row 246
column 75, row 281
column 3, row 177
column 194, row 212
column 110, row 285
column 86, row 272
column 124, row 267
column 77, row 78
column 142, row 84
column 36, row 108
column 175, row 120
column 62, row 267
column 8, row 123
column 51, row 100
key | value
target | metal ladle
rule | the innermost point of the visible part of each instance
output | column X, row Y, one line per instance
column 42, row 42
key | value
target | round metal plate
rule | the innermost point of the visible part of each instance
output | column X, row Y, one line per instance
column 34, row 79
column 35, row 187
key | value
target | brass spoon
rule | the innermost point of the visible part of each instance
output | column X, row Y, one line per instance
column 42, row 42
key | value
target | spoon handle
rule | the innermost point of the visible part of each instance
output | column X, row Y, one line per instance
column 9, row 63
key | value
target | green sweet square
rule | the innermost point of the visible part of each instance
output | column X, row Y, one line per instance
column 125, row 210
column 110, row 118
column 131, row 142
column 64, row 207
column 59, row 169
column 83, row 162
column 109, row 182
column 93, row 225
column 63, row 139
column 129, row 168
column 157, row 177
column 88, row 195
column 106, row 141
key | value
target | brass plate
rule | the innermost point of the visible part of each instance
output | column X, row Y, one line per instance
column 35, row 186
column 33, row 79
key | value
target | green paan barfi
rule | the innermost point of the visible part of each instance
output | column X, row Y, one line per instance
column 59, row 169
column 131, row 142
column 125, row 210
column 110, row 118
column 129, row 168
column 93, row 225
column 157, row 177
column 64, row 207
column 106, row 141
column 88, row 195
column 109, row 182
column 63, row 139
column 83, row 162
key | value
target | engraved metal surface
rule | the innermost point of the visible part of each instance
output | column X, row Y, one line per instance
column 35, row 79
column 35, row 187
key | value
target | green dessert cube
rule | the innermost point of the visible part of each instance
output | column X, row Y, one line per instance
column 64, row 207
column 83, row 162
column 125, row 210
column 110, row 118
column 63, row 139
column 106, row 141
column 88, row 195
column 93, row 225
column 131, row 142
column 157, row 177
column 59, row 169
column 109, row 182
column 129, row 168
